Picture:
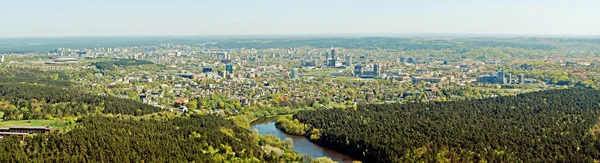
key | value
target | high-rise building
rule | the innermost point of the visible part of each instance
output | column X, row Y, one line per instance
column 501, row 77
column 348, row 60
column 333, row 53
column 508, row 78
column 229, row 68
column 521, row 79
column 333, row 57
column 294, row 73
column 358, row 70
column 376, row 69
column 1, row 59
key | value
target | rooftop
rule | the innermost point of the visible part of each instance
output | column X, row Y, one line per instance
column 31, row 127
column 12, row 133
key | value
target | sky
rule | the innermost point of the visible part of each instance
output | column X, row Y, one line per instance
column 49, row 18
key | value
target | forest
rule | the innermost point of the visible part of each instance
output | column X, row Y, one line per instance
column 110, row 65
column 28, row 101
column 34, row 76
column 194, row 139
column 557, row 125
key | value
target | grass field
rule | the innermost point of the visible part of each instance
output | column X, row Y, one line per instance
column 56, row 125
column 28, row 123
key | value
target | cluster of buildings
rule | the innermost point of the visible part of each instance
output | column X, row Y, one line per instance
column 252, row 76
column 367, row 71
column 500, row 77
column 332, row 59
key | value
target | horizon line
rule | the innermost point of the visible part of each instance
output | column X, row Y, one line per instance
column 411, row 35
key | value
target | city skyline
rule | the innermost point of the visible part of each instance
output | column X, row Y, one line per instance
column 36, row 18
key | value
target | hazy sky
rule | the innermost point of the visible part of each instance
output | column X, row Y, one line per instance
column 25, row 18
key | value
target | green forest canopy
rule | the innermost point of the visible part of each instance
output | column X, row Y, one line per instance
column 110, row 65
column 547, row 126
column 103, row 139
column 29, row 101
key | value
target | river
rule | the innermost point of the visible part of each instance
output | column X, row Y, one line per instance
column 301, row 144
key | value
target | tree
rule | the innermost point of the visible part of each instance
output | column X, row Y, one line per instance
column 192, row 105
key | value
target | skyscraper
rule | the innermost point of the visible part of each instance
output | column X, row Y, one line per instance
column 333, row 57
column 229, row 68
column 508, row 78
column 358, row 70
column 224, row 54
column 348, row 60
column 1, row 59
column 294, row 73
column 376, row 69
column 333, row 53
column 521, row 79
column 501, row 77
column 330, row 62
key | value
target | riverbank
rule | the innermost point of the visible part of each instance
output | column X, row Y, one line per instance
column 300, row 143
column 289, row 125
column 292, row 126
column 246, row 119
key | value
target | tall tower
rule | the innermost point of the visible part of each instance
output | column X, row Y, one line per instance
column 226, row 56
column 376, row 69
column 1, row 59
column 348, row 60
column 333, row 57
column 501, row 77
column 358, row 70
column 521, row 79
column 508, row 78
column 333, row 53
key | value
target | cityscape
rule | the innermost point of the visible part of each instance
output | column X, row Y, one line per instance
column 299, row 82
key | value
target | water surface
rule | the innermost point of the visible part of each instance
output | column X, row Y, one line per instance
column 301, row 144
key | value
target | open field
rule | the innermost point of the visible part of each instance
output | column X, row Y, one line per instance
column 56, row 125
column 28, row 123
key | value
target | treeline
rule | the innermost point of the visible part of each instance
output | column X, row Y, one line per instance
column 110, row 65
column 371, row 43
column 547, row 126
column 195, row 139
column 26, row 101
column 291, row 126
column 33, row 76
